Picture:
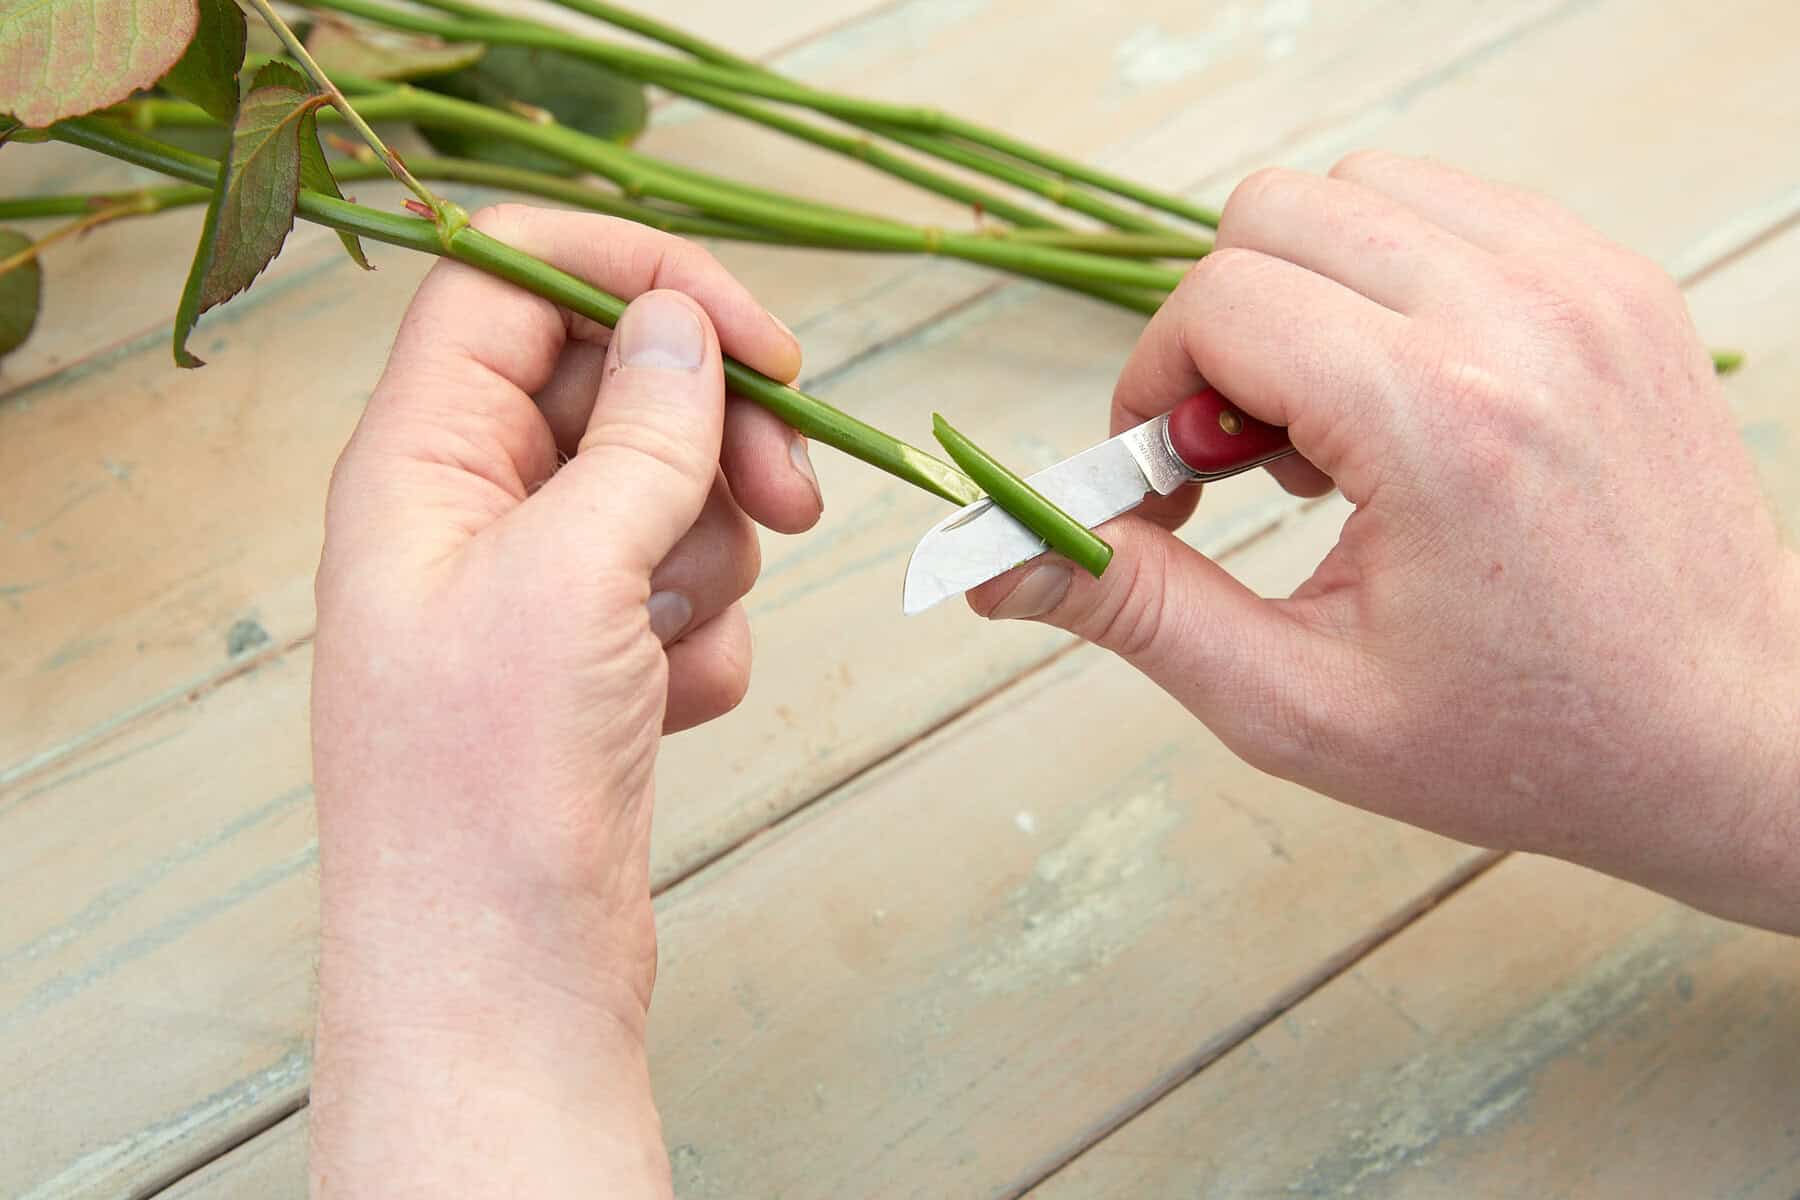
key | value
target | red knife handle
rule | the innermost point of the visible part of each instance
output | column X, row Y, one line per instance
column 1215, row 438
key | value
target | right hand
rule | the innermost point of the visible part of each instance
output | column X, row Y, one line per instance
column 1561, row 618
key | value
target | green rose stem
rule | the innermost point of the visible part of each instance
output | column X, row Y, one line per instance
column 807, row 414
column 860, row 148
column 1137, row 285
column 678, row 39
column 578, row 195
column 110, row 206
column 89, row 214
column 1118, row 245
column 1063, row 533
column 323, row 83
column 923, row 129
column 864, row 150
column 453, row 170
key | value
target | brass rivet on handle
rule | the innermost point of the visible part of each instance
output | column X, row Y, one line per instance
column 1230, row 422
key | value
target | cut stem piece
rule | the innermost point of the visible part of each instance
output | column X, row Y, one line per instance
column 1030, row 507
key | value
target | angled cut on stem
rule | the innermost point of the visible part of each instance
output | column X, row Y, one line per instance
column 1030, row 507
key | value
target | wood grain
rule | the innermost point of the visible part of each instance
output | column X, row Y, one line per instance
column 270, row 1166
column 1548, row 1032
column 181, row 944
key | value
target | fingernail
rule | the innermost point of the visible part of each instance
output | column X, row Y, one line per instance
column 803, row 463
column 784, row 327
column 670, row 613
column 660, row 331
column 1041, row 590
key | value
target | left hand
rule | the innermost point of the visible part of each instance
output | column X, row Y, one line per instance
column 536, row 542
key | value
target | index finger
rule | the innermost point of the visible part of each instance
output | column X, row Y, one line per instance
column 1288, row 346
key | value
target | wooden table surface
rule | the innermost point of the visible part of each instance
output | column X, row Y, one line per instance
column 946, row 909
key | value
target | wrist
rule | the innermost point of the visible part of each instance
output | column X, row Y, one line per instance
column 475, row 1044
column 1769, row 835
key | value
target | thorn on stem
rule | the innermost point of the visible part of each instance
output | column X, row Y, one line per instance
column 418, row 208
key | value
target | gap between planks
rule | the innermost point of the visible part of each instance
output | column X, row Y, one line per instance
column 1330, row 969
column 179, row 1174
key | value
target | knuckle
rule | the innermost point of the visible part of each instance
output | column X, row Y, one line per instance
column 1494, row 419
column 685, row 260
column 1561, row 308
column 731, row 678
column 1269, row 186
column 1259, row 199
column 1647, row 299
column 1362, row 164
column 1224, row 267
column 505, row 221
column 670, row 261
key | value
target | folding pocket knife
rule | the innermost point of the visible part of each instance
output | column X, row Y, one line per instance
column 1203, row 438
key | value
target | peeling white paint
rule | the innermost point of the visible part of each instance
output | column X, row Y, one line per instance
column 1089, row 896
column 1154, row 57
column 1281, row 23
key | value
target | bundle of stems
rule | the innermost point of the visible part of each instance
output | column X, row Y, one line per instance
column 715, row 76
column 1032, row 212
column 1110, row 266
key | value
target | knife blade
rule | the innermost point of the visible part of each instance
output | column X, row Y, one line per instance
column 1203, row 438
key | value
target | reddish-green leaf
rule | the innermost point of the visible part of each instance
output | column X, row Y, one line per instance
column 315, row 175
column 60, row 58
column 345, row 49
column 252, row 206
column 20, row 290
column 207, row 74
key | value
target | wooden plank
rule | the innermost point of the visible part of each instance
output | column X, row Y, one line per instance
column 1029, row 923
column 1547, row 1032
column 85, row 651
column 155, row 532
column 156, row 961
column 1064, row 894
column 218, row 801
column 270, row 1166
column 1589, row 84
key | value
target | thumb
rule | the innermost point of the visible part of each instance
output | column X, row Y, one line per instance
column 1245, row 666
column 650, row 453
